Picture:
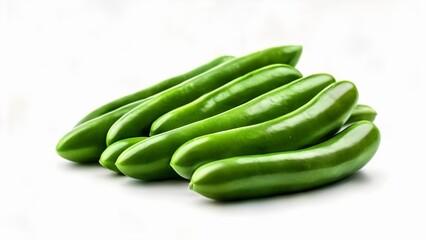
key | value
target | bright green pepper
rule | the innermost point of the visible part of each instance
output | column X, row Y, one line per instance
column 111, row 153
column 230, row 95
column 138, row 121
column 86, row 142
column 152, row 90
column 149, row 160
column 325, row 114
column 362, row 112
column 252, row 176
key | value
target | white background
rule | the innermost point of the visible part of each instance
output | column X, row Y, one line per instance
column 61, row 59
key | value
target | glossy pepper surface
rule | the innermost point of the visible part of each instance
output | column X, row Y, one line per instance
column 111, row 153
column 230, row 95
column 149, row 160
column 324, row 115
column 154, row 89
column 252, row 176
column 86, row 142
column 138, row 121
column 362, row 112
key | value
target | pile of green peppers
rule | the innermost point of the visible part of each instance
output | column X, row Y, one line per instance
column 236, row 127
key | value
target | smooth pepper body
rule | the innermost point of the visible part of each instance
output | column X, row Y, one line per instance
column 154, row 89
column 86, row 142
column 230, row 95
column 138, row 121
column 324, row 115
column 252, row 176
column 111, row 153
column 362, row 112
column 149, row 160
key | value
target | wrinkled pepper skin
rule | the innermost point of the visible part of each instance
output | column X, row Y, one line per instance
column 253, row 176
column 154, row 89
column 138, row 121
column 230, row 95
column 86, row 142
column 149, row 160
column 324, row 115
column 111, row 153
column 362, row 112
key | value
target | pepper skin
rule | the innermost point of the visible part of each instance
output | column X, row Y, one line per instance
column 138, row 121
column 362, row 112
column 152, row 90
column 230, row 95
column 253, row 176
column 86, row 142
column 111, row 153
column 149, row 160
column 324, row 115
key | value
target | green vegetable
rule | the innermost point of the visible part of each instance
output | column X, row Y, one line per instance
column 111, row 153
column 325, row 114
column 149, row 160
column 230, row 95
column 86, row 142
column 362, row 112
column 138, row 121
column 152, row 90
column 254, row 176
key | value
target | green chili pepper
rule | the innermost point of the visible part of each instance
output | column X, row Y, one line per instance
column 111, row 153
column 325, row 114
column 244, row 177
column 149, row 160
column 230, row 95
column 362, row 112
column 86, row 142
column 138, row 121
column 152, row 90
